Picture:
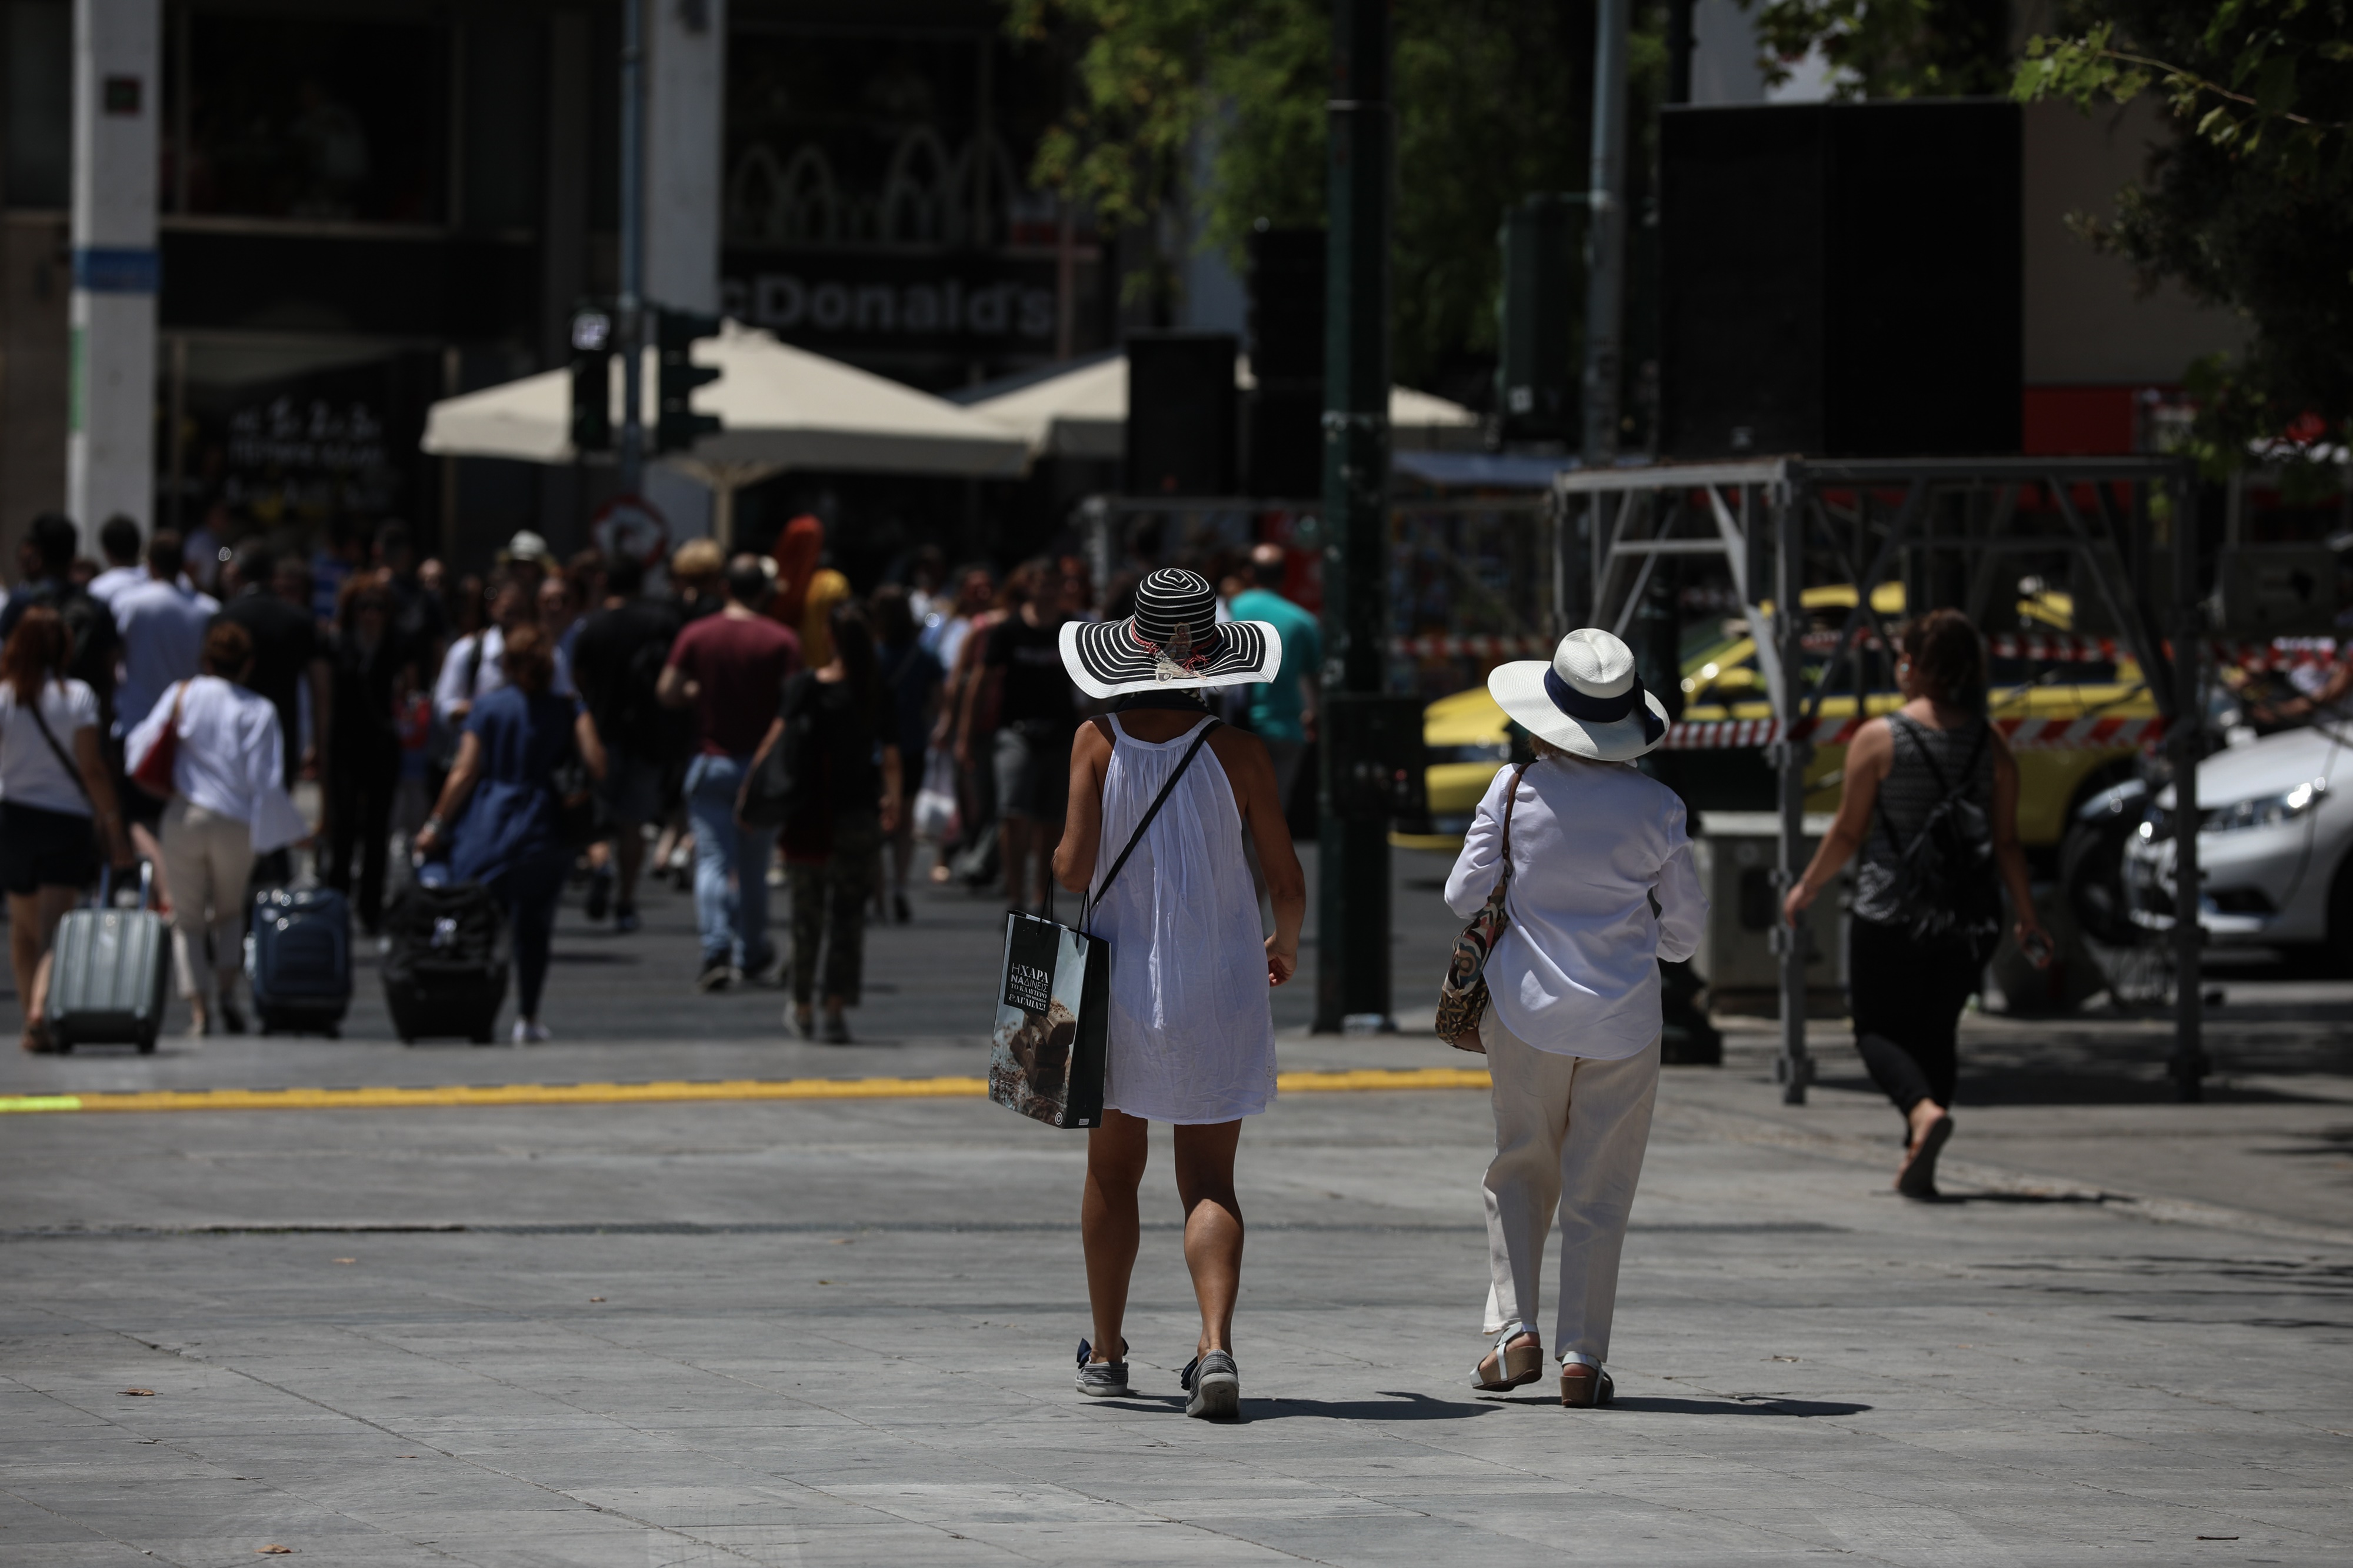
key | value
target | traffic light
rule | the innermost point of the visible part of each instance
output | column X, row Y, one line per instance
column 592, row 378
column 676, row 425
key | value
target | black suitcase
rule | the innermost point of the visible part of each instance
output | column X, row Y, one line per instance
column 106, row 971
column 445, row 965
column 297, row 960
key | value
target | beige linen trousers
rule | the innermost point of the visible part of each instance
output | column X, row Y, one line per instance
column 1570, row 1133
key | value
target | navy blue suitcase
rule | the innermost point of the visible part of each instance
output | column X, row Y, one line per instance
column 297, row 960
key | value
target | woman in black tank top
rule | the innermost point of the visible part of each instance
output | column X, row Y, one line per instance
column 1911, row 969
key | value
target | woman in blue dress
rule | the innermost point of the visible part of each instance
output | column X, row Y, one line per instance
column 508, row 837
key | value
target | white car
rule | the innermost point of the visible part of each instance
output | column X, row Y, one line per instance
column 2276, row 823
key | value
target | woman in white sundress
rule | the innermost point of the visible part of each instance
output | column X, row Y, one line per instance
column 1191, row 1037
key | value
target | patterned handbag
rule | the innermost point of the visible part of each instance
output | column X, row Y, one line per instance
column 1462, row 1000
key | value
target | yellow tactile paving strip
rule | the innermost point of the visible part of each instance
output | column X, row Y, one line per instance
column 656, row 1093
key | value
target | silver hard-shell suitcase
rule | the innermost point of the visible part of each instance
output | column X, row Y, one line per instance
column 107, row 971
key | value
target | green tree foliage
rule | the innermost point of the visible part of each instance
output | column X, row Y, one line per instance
column 1891, row 48
column 2251, row 206
column 1492, row 103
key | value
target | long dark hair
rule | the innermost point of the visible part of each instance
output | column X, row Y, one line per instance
column 42, row 646
column 1942, row 646
column 853, row 639
column 894, row 618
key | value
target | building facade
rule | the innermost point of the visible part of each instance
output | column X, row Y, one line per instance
column 363, row 206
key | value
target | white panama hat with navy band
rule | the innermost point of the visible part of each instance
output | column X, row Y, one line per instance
column 1174, row 641
column 1589, row 700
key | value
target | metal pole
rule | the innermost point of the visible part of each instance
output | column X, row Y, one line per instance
column 1353, row 856
column 2188, row 1064
column 1605, row 274
column 632, row 325
column 1680, row 44
column 1790, row 753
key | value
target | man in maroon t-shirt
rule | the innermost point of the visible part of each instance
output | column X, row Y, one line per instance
column 729, row 668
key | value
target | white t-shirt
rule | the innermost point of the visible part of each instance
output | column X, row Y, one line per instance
column 30, row 774
column 113, row 581
column 451, row 688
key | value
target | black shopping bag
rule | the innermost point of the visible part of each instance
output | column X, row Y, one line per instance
column 1048, row 1060
column 1053, row 1000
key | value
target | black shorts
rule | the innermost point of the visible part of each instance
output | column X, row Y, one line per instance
column 1032, row 764
column 40, row 848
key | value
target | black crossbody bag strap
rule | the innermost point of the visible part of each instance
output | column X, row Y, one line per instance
column 1094, row 895
column 1945, row 791
column 64, row 761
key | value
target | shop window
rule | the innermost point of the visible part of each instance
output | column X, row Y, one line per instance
column 504, row 122
column 316, row 120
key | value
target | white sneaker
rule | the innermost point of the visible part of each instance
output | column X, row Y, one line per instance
column 528, row 1034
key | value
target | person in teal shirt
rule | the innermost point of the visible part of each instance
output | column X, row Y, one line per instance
column 1282, row 711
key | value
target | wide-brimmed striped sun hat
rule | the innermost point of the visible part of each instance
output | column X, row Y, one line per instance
column 1174, row 641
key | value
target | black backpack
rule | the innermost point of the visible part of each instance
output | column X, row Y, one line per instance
column 1944, row 878
column 786, row 788
column 648, row 730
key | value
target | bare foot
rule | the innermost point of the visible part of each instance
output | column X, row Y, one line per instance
column 1923, row 1116
column 1931, row 1124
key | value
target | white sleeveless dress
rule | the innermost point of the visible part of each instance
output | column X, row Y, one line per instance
column 1191, row 1036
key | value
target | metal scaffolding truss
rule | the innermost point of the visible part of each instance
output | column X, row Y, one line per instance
column 1768, row 519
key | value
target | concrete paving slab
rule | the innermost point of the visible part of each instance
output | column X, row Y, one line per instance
column 841, row 1333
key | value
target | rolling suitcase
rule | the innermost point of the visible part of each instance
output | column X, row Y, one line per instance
column 445, row 967
column 297, row 960
column 106, row 971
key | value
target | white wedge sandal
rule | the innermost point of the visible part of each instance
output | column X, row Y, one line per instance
column 1507, row 1366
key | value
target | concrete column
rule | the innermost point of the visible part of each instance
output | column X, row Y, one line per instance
column 686, row 104
column 111, row 422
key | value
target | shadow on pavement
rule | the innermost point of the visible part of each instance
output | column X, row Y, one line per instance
column 1994, row 1082
column 1390, row 1407
column 1755, row 1404
column 1955, row 1199
column 1393, row 1405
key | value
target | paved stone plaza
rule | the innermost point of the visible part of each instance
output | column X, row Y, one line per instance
column 841, row 1332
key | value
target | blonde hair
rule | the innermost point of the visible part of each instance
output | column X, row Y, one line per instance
column 698, row 558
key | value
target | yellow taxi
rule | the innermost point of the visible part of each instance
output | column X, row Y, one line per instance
column 1468, row 737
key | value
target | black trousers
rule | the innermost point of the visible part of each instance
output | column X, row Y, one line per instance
column 1908, row 996
column 359, row 824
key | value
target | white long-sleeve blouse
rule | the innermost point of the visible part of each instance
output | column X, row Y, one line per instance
column 230, row 757
column 1593, row 844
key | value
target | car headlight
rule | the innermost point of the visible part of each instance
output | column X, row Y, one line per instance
column 2265, row 811
column 1485, row 752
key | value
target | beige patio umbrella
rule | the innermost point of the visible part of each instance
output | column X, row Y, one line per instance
column 1083, row 412
column 780, row 407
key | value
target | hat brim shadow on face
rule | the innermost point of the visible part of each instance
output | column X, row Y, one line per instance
column 1105, row 659
column 1518, row 689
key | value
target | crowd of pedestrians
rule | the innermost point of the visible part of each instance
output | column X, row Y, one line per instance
column 597, row 721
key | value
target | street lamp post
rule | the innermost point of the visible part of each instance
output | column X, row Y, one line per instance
column 631, row 335
column 1605, row 274
column 1353, row 858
